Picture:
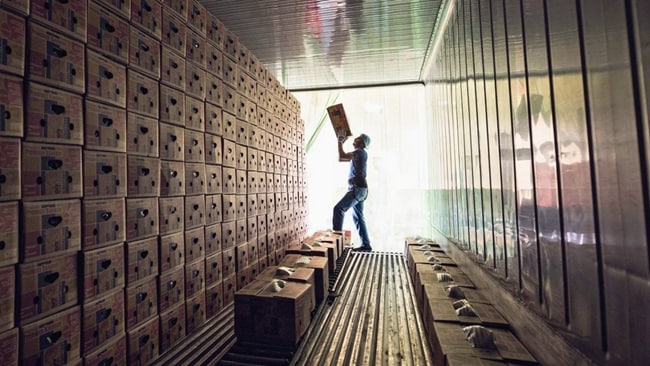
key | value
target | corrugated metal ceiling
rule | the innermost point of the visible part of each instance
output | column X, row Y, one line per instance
column 321, row 44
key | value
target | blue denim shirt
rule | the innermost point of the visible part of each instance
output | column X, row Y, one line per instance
column 358, row 164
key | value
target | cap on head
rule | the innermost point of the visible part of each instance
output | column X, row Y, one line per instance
column 366, row 139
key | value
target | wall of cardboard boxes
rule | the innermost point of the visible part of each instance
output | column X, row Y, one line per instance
column 150, row 166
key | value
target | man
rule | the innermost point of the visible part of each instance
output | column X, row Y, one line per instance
column 357, row 189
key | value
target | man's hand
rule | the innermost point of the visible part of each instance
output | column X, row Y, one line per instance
column 342, row 136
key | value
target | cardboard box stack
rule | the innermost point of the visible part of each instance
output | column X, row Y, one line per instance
column 136, row 141
column 275, row 305
column 462, row 326
column 273, row 311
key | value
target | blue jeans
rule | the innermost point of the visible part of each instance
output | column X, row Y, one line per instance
column 353, row 198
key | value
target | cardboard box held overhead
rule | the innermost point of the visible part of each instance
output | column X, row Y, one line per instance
column 339, row 120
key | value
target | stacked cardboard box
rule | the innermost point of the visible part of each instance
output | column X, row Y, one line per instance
column 273, row 311
column 453, row 309
column 146, row 152
column 42, row 194
column 156, row 164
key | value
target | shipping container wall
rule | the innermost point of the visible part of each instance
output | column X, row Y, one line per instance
column 540, row 142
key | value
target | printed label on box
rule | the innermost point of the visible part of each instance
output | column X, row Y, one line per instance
column 241, row 229
column 53, row 115
column 230, row 72
column 242, row 185
column 144, row 176
column 107, row 32
column 20, row 6
column 9, row 233
column 142, row 94
column 229, row 155
column 52, row 227
column 51, row 171
column 7, row 303
column 214, row 176
column 105, row 127
column 213, row 119
column 172, row 288
column 122, row 7
column 142, row 260
column 194, row 211
column 47, row 286
column 229, row 262
column 229, row 288
column 213, row 207
column 9, row 342
column 195, row 311
column 103, row 320
column 212, row 239
column 142, row 300
column 194, row 178
column 195, row 48
column 59, row 337
column 243, row 58
column 10, row 174
column 111, row 353
column 172, row 327
column 213, row 269
column 143, row 343
column 142, row 135
column 172, row 105
column 141, row 218
column 172, row 142
column 69, row 17
column 195, row 113
column 174, row 32
column 194, row 245
column 148, row 16
column 144, row 53
column 196, row 16
column 11, row 106
column 104, row 174
column 195, row 80
column 172, row 178
column 214, row 61
column 173, row 68
column 214, row 90
column 103, row 271
column 215, row 30
column 194, row 278
column 213, row 149
column 230, row 44
column 103, row 222
column 56, row 60
column 172, row 251
column 194, row 146
column 229, row 210
column 106, row 80
column 12, row 43
column 214, row 299
column 179, row 7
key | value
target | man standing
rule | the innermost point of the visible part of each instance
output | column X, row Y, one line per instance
column 357, row 189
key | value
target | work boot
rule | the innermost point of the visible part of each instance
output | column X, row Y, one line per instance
column 363, row 248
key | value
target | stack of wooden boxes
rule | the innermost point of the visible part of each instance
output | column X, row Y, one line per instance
column 150, row 166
